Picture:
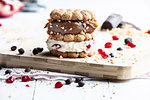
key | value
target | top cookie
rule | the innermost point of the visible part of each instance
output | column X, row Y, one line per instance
column 68, row 14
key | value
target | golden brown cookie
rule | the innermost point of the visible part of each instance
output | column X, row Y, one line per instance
column 72, row 37
column 68, row 14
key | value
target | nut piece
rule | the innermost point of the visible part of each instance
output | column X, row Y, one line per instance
column 86, row 15
column 79, row 38
column 68, row 38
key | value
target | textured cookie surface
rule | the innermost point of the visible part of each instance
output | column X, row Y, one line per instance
column 68, row 14
column 72, row 54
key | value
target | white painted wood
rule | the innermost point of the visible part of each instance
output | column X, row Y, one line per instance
column 130, row 90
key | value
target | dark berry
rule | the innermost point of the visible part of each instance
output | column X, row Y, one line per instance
column 119, row 49
column 40, row 49
column 78, row 79
column 68, row 81
column 58, row 85
column 13, row 48
column 27, row 69
column 25, row 78
column 8, row 72
column 35, row 51
column 127, row 40
column 32, row 79
column 108, row 45
column 1, row 67
column 0, row 24
column 21, row 51
column 88, row 46
column 27, row 85
column 10, row 80
column 111, row 55
column 81, row 84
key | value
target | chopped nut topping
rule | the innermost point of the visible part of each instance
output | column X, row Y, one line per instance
column 63, row 28
column 50, row 26
column 87, row 27
column 57, row 33
column 69, row 21
column 59, row 20
column 84, row 25
column 77, row 23
column 51, row 32
column 70, row 29
column 56, row 25
column 61, row 57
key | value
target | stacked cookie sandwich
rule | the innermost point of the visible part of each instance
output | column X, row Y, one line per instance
column 70, row 33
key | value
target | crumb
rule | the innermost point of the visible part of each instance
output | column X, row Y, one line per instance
column 61, row 57
column 9, row 96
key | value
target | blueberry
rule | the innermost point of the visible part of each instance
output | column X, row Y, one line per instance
column 127, row 40
column 77, row 80
column 68, row 81
column 119, row 49
column 111, row 55
column 0, row 67
column 27, row 69
column 35, row 51
column 40, row 49
column 81, row 84
column 8, row 72
column 21, row 51
column 13, row 48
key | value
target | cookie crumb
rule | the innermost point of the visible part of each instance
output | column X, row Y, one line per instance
column 60, row 57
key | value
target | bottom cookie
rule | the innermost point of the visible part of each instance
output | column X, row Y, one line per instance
column 72, row 54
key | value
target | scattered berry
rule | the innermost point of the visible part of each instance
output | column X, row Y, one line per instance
column 102, row 53
column 8, row 72
column 32, row 79
column 4, row 3
column 25, row 78
column 27, row 85
column 58, row 85
column 35, row 51
column 128, row 40
column 130, row 44
column 115, row 37
column 108, row 45
column 81, row 84
column 21, row 51
column 78, row 79
column 13, row 48
column 68, row 81
column 0, row 24
column 119, row 49
column 27, row 69
column 40, row 49
column 148, row 32
column 111, row 55
column 0, row 67
column 88, row 46
column 10, row 80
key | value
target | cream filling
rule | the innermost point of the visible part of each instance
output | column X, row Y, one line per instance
column 62, row 46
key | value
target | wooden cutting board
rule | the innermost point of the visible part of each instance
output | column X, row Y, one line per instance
column 45, row 61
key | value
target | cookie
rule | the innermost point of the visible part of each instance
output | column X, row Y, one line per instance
column 68, row 14
column 72, row 37
column 72, row 54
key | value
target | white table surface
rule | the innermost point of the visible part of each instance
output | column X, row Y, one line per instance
column 31, row 24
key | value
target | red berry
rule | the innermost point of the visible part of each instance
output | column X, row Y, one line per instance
column 102, row 53
column 25, row 78
column 58, row 85
column 148, row 32
column 108, row 45
column 10, row 80
column 11, row 7
column 115, row 37
column 27, row 85
column 88, row 46
column 0, row 24
column 130, row 44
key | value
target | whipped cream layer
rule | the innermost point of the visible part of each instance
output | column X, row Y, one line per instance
column 62, row 46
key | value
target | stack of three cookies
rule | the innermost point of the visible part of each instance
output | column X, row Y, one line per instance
column 71, row 33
